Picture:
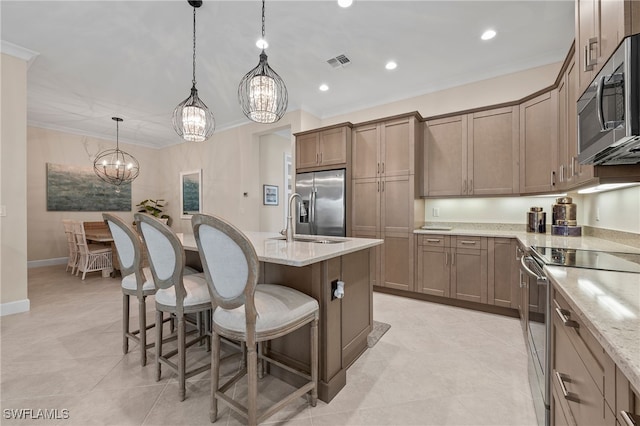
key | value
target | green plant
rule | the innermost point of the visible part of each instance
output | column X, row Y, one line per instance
column 152, row 207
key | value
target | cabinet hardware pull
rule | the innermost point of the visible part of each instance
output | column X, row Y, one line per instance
column 630, row 419
column 553, row 178
column 518, row 253
column 382, row 186
column 564, row 316
column 471, row 186
column 589, row 62
column 446, row 259
column 383, row 167
column 378, row 168
column 453, row 258
column 464, row 187
column 573, row 166
column 378, row 186
column 562, row 173
column 467, row 242
column 567, row 395
column 316, row 158
column 320, row 158
column 433, row 240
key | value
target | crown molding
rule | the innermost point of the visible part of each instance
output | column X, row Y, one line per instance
column 19, row 52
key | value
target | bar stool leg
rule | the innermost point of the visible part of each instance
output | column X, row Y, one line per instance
column 125, row 323
column 159, row 320
column 142, row 313
column 215, row 375
column 181, row 356
column 314, row 362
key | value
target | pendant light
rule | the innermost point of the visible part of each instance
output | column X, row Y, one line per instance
column 262, row 94
column 192, row 119
column 115, row 166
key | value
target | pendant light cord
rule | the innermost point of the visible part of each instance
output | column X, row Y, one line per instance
column 117, row 135
column 194, row 47
column 263, row 20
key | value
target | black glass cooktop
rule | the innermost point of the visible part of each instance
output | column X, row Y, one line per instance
column 590, row 259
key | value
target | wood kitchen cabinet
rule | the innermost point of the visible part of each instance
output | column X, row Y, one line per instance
column 539, row 143
column 384, row 201
column 600, row 27
column 386, row 148
column 329, row 147
column 503, row 270
column 453, row 266
column 472, row 154
column 569, row 171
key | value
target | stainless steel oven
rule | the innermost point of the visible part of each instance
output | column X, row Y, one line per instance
column 537, row 330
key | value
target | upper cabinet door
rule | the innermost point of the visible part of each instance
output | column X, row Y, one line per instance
column 332, row 146
column 539, row 143
column 397, row 147
column 493, row 152
column 365, row 159
column 307, row 150
column 444, row 156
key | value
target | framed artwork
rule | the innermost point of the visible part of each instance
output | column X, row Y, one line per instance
column 78, row 189
column 270, row 195
column 190, row 193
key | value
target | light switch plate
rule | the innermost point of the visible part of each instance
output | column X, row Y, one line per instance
column 3, row 211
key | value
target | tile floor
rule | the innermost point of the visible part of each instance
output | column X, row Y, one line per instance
column 437, row 365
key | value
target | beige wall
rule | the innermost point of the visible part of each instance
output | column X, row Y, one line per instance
column 46, row 239
column 507, row 88
column 13, row 185
column 272, row 150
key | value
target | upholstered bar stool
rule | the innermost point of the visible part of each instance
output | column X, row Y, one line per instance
column 177, row 293
column 251, row 313
column 136, row 281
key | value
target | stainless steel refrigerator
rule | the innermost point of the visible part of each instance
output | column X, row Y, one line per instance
column 323, row 203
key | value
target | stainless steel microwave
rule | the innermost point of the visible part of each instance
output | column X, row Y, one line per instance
column 609, row 110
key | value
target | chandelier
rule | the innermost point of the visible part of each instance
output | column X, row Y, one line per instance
column 115, row 166
column 192, row 119
column 262, row 94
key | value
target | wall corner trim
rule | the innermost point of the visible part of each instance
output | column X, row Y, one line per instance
column 16, row 307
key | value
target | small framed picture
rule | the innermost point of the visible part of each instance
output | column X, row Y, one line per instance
column 270, row 195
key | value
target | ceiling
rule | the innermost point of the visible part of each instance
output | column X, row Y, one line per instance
column 133, row 59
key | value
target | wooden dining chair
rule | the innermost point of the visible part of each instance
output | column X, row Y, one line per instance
column 177, row 293
column 250, row 312
column 137, row 281
column 72, row 246
column 91, row 257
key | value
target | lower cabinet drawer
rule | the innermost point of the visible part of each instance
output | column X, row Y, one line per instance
column 573, row 383
column 433, row 240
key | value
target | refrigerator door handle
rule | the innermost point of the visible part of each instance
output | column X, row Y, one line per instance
column 312, row 211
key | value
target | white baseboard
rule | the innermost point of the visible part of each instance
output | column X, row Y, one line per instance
column 16, row 307
column 47, row 262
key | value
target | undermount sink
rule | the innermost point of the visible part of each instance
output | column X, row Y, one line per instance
column 312, row 240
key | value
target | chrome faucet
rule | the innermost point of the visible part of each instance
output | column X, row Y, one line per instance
column 288, row 232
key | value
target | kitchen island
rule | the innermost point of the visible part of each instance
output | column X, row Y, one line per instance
column 314, row 267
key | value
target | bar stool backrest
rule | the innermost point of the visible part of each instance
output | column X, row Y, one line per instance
column 128, row 246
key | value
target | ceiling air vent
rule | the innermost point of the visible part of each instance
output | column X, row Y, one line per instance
column 339, row 61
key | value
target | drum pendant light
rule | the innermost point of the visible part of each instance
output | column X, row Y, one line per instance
column 115, row 166
column 192, row 119
column 262, row 94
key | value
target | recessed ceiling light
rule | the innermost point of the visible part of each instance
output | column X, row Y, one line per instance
column 323, row 87
column 262, row 44
column 391, row 65
column 488, row 35
column 345, row 3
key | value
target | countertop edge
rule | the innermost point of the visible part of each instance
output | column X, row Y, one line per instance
column 614, row 351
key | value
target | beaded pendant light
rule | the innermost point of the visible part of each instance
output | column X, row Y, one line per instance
column 262, row 93
column 115, row 166
column 192, row 119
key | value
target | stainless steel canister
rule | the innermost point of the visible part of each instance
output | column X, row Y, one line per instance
column 536, row 220
column 564, row 212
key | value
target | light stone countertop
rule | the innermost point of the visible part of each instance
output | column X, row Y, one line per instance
column 609, row 305
column 272, row 248
column 607, row 302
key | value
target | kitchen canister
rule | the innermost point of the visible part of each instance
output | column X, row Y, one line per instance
column 536, row 220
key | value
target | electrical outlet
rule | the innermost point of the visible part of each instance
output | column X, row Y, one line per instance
column 436, row 212
column 597, row 214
